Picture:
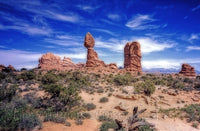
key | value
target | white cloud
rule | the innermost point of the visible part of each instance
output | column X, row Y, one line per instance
column 141, row 22
column 189, row 48
column 114, row 17
column 196, row 8
column 169, row 63
column 147, row 45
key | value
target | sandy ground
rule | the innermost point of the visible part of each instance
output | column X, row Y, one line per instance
column 108, row 109
column 88, row 125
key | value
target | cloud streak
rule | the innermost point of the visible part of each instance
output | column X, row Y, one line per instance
column 196, row 8
column 190, row 48
column 142, row 22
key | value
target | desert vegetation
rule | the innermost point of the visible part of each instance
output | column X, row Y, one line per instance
column 33, row 97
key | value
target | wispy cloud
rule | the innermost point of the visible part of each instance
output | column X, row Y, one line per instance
column 196, row 8
column 105, row 31
column 64, row 40
column 141, row 22
column 87, row 8
column 73, row 18
column 190, row 48
column 114, row 17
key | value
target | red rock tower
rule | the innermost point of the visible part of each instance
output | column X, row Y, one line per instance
column 132, row 57
column 187, row 70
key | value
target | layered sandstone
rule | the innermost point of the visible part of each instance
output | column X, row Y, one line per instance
column 50, row 61
column 8, row 68
column 92, row 57
column 187, row 70
column 132, row 57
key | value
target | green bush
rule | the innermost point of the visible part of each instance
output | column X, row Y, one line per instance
column 29, row 122
column 90, row 106
column 103, row 100
column 49, row 78
column 7, row 93
column 103, row 118
column 28, row 75
column 192, row 112
column 86, row 115
column 147, row 87
column 53, row 89
column 145, row 128
column 108, row 125
column 123, row 79
column 54, row 118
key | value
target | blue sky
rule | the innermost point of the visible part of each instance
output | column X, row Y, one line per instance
column 168, row 30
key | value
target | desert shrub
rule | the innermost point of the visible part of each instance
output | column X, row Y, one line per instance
column 29, row 122
column 34, row 101
column 187, row 80
column 178, row 85
column 49, row 78
column 15, row 115
column 69, row 96
column 197, row 86
column 2, row 76
column 28, row 75
column 104, row 118
column 80, row 79
column 195, row 125
column 7, row 93
column 123, row 79
column 108, row 125
column 67, row 123
column 145, row 128
column 79, row 122
column 100, row 90
column 192, row 112
column 90, row 106
column 53, row 89
column 86, row 115
column 54, row 118
column 103, row 100
column 147, row 87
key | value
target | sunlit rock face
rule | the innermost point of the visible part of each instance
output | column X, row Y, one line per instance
column 187, row 70
column 132, row 57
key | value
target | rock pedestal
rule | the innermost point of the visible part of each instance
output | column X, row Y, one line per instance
column 132, row 57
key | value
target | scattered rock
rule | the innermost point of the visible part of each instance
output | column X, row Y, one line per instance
column 126, row 97
column 132, row 57
column 172, row 92
column 187, row 70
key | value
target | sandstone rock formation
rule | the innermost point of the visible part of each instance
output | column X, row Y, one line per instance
column 2, row 67
column 132, row 57
column 92, row 57
column 9, row 68
column 50, row 61
column 187, row 70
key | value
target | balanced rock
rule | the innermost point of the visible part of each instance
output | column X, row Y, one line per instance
column 187, row 70
column 132, row 57
column 92, row 57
